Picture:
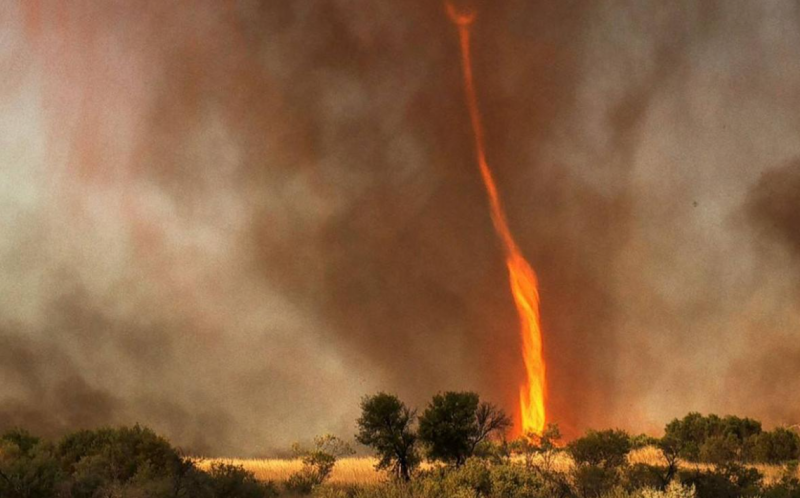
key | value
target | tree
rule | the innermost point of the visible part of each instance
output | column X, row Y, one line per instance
column 385, row 425
column 670, row 449
column 489, row 420
column 455, row 423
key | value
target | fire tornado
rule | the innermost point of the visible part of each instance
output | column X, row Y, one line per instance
column 522, row 278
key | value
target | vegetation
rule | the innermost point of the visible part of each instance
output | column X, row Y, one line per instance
column 114, row 462
column 318, row 463
column 386, row 426
column 455, row 423
column 461, row 438
column 717, row 440
column 545, row 447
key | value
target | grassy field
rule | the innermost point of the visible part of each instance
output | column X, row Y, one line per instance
column 361, row 470
column 347, row 471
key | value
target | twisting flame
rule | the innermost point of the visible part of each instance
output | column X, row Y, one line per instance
column 522, row 279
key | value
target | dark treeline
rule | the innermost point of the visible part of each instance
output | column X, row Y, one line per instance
column 130, row 462
column 462, row 439
column 714, row 439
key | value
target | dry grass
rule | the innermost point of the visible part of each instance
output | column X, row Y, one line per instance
column 347, row 470
column 361, row 470
column 652, row 456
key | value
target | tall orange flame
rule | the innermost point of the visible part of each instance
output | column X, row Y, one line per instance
column 522, row 278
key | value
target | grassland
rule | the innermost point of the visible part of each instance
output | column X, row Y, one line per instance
column 361, row 470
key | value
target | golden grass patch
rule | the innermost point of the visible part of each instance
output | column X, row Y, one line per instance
column 361, row 470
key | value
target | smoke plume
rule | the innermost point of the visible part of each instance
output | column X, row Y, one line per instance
column 230, row 220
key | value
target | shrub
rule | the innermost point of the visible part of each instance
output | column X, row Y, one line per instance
column 673, row 490
column 23, row 441
column 472, row 479
column 592, row 481
column 318, row 463
column 713, row 439
column 302, row 482
column 598, row 457
column 608, row 449
column 233, row 481
column 27, row 467
column 544, row 445
column 112, row 458
column 787, row 487
column 642, row 475
column 776, row 446
column 122, row 451
column 720, row 449
column 727, row 481
column 514, row 481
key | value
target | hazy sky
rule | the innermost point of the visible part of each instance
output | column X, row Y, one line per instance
column 229, row 220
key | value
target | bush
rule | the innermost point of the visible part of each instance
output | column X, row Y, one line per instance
column 593, row 481
column 726, row 481
column 318, row 463
column 129, row 462
column 608, row 449
column 642, row 475
column 514, row 481
column 673, row 490
column 544, row 445
column 787, row 487
column 713, row 439
column 472, row 479
column 121, row 451
column 720, row 449
column 776, row 446
column 27, row 466
column 232, row 481
column 598, row 456
column 118, row 458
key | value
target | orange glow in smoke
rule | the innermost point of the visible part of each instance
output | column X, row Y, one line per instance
column 522, row 278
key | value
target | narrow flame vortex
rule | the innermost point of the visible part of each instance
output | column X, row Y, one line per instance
column 522, row 278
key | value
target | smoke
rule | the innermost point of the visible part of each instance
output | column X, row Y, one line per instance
column 230, row 220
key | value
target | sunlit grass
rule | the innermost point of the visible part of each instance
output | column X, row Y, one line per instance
column 361, row 470
column 357, row 470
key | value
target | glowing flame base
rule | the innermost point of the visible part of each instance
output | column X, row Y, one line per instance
column 522, row 279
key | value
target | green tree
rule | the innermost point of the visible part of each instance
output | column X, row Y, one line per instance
column 455, row 423
column 386, row 426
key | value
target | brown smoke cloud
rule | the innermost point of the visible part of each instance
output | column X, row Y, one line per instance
column 230, row 220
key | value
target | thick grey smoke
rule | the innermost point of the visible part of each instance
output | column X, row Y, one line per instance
column 230, row 220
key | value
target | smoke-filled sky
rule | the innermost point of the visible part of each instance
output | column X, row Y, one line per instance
column 229, row 220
